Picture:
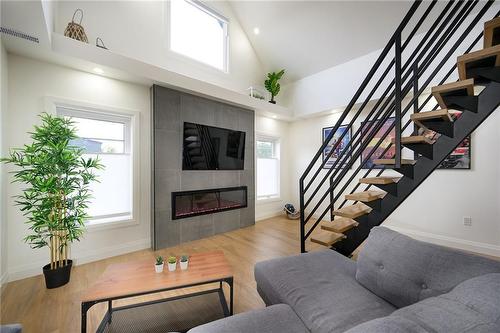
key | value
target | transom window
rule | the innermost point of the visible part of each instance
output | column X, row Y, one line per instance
column 198, row 32
column 107, row 136
column 268, row 168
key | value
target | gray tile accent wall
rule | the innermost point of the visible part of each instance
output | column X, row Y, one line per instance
column 171, row 108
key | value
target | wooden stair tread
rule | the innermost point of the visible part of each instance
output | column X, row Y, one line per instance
column 489, row 29
column 416, row 139
column 379, row 180
column 439, row 91
column 353, row 211
column 366, row 196
column 392, row 161
column 437, row 114
column 326, row 238
column 462, row 60
column 340, row 225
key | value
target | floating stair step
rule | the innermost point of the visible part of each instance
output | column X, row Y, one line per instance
column 492, row 32
column 441, row 114
column 416, row 139
column 379, row 180
column 340, row 225
column 353, row 211
column 444, row 94
column 366, row 196
column 389, row 161
column 326, row 238
column 469, row 64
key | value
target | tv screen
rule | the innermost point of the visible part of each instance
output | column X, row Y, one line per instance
column 212, row 148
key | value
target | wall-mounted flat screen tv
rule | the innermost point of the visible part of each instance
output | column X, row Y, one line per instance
column 212, row 148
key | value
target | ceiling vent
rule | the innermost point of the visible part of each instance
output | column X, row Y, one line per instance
column 18, row 34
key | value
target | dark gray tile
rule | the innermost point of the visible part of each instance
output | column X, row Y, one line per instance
column 196, row 180
column 166, row 181
column 198, row 110
column 167, row 231
column 247, row 215
column 207, row 225
column 168, row 150
column 167, row 109
column 228, row 178
column 246, row 121
column 227, row 221
column 227, row 117
column 190, row 229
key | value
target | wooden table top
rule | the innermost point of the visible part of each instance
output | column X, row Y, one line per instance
column 137, row 277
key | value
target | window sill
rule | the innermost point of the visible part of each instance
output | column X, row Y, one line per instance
column 268, row 200
column 111, row 223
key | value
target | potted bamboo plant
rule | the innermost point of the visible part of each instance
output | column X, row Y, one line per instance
column 56, row 193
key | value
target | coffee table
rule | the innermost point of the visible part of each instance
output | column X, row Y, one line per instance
column 138, row 278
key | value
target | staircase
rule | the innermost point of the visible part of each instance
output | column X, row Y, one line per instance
column 360, row 195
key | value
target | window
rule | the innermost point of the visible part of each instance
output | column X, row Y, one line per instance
column 107, row 136
column 198, row 32
column 268, row 168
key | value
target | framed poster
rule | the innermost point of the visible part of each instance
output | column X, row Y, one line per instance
column 344, row 144
column 365, row 130
column 459, row 159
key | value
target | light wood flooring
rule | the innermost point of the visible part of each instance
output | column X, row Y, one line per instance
column 28, row 302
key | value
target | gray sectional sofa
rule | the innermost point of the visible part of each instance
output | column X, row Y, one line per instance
column 398, row 284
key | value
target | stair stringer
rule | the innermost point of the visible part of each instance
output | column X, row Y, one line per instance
column 488, row 102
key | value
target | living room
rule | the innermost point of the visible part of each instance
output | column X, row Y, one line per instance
column 249, row 166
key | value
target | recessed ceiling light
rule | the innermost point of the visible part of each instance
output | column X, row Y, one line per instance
column 98, row 70
column 256, row 30
column 274, row 116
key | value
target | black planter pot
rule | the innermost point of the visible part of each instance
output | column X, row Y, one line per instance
column 57, row 277
column 272, row 102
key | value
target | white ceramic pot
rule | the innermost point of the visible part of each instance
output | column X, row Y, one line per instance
column 171, row 267
column 159, row 268
column 184, row 265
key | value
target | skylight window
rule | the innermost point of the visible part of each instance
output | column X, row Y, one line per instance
column 198, row 32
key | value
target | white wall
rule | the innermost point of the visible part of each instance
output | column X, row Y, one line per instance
column 29, row 82
column 435, row 211
column 139, row 29
column 3, row 110
column 279, row 129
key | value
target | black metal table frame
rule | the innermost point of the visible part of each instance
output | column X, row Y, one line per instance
column 228, row 311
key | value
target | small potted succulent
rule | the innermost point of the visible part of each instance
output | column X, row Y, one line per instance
column 172, row 263
column 184, row 262
column 159, row 264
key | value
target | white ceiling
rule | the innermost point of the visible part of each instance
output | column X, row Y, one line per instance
column 306, row 37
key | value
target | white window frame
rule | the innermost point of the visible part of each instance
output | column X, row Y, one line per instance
column 210, row 11
column 106, row 113
column 277, row 155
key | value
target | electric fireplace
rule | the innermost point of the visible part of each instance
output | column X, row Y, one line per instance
column 200, row 202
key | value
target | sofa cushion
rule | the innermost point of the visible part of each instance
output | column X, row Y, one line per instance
column 472, row 306
column 321, row 288
column 404, row 271
column 274, row 319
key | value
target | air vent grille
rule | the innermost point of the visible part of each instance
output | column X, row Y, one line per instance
column 18, row 34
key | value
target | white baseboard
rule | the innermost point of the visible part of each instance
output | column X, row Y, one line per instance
column 268, row 215
column 80, row 257
column 457, row 243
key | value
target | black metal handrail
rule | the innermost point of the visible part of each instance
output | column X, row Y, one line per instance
column 390, row 103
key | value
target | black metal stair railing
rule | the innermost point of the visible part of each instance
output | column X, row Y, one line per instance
column 426, row 61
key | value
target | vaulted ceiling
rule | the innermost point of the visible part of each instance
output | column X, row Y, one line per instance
column 306, row 37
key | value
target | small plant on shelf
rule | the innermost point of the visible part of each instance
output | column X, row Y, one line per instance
column 184, row 262
column 172, row 263
column 272, row 85
column 159, row 264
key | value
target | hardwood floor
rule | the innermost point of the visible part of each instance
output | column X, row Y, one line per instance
column 38, row 309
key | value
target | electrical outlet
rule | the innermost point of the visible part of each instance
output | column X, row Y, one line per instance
column 467, row 221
